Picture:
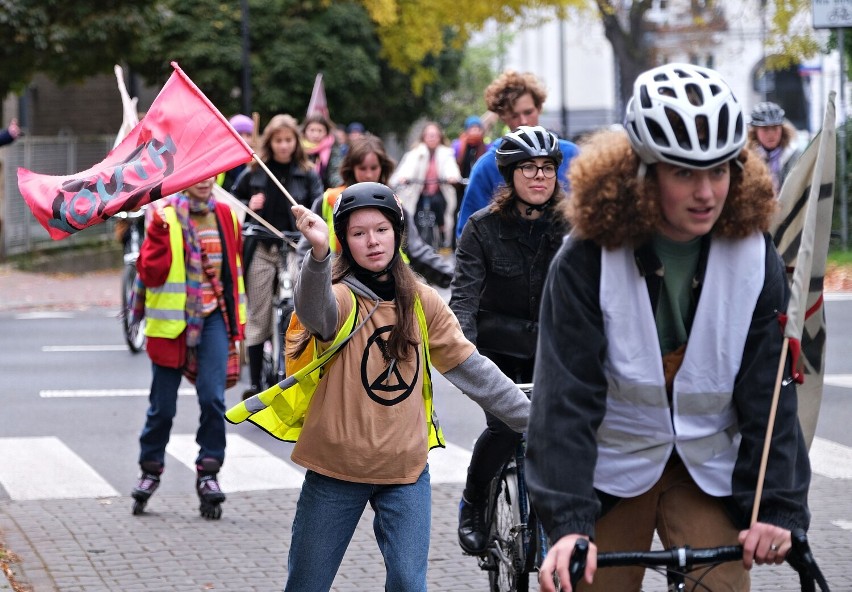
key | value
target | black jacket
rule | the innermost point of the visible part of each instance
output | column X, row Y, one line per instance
column 303, row 185
column 501, row 265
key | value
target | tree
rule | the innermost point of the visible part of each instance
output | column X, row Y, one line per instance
column 67, row 40
column 291, row 41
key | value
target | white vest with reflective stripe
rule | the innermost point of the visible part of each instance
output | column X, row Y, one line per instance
column 639, row 430
column 165, row 306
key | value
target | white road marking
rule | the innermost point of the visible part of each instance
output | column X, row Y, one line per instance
column 248, row 467
column 841, row 380
column 45, row 468
column 449, row 465
column 831, row 459
column 844, row 524
column 30, row 316
column 83, row 348
column 60, row 394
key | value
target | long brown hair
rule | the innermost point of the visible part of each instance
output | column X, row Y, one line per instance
column 404, row 336
column 279, row 123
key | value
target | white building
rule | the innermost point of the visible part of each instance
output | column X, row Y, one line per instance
column 582, row 81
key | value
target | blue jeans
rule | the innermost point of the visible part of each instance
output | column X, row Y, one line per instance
column 327, row 514
column 210, row 386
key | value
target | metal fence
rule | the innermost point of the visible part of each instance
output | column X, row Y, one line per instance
column 53, row 155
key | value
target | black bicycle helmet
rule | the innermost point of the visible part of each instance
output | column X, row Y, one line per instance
column 684, row 115
column 525, row 143
column 367, row 195
column 767, row 114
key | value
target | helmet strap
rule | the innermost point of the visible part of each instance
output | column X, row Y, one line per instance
column 530, row 208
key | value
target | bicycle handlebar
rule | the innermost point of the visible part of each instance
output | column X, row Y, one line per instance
column 800, row 558
column 258, row 231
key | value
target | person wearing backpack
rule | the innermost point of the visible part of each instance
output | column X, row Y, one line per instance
column 370, row 422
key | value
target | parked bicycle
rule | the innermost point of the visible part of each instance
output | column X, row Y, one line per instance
column 684, row 567
column 132, row 326
column 516, row 541
column 273, row 369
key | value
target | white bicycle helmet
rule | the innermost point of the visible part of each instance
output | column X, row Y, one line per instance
column 684, row 115
column 767, row 114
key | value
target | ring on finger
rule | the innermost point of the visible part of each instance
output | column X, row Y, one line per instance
column 773, row 547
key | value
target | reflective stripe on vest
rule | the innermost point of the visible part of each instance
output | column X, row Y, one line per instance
column 280, row 410
column 242, row 309
column 165, row 306
column 329, row 197
column 639, row 431
column 435, row 433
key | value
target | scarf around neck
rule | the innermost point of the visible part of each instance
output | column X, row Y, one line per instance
column 194, row 271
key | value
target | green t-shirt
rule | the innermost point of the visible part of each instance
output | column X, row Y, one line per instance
column 676, row 307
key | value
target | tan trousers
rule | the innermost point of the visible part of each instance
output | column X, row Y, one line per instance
column 682, row 514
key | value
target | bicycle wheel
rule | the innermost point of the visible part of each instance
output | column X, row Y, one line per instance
column 507, row 534
column 134, row 331
column 273, row 350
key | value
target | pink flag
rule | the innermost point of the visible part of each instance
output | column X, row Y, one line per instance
column 318, row 104
column 183, row 139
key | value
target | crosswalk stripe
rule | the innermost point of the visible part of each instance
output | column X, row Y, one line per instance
column 448, row 465
column 45, row 468
column 248, row 467
column 841, row 380
column 35, row 468
column 83, row 393
column 831, row 459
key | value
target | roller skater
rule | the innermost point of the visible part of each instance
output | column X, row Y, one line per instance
column 207, row 487
column 148, row 484
column 189, row 265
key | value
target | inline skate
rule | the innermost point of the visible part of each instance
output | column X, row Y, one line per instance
column 147, row 485
column 207, row 487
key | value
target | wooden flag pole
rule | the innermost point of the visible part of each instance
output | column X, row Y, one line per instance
column 770, row 426
column 274, row 178
column 255, row 132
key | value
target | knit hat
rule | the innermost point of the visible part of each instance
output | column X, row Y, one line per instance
column 471, row 121
column 356, row 127
column 242, row 123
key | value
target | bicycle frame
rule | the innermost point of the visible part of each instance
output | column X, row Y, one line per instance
column 514, row 552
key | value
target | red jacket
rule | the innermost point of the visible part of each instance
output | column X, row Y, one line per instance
column 155, row 259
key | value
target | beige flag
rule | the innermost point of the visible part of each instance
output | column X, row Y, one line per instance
column 801, row 232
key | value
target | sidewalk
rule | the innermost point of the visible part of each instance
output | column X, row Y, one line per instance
column 24, row 291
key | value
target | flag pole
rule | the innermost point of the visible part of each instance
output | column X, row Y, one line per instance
column 764, row 459
column 274, row 178
column 796, row 312
column 223, row 195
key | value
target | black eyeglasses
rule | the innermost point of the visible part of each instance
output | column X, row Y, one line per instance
column 530, row 170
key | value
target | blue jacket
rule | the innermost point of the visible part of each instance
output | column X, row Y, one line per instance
column 484, row 179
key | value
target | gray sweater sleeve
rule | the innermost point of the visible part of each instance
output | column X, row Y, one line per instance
column 314, row 299
column 481, row 380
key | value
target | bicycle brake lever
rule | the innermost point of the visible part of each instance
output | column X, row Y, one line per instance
column 802, row 560
column 577, row 565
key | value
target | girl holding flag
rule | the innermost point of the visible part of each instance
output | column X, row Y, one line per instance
column 659, row 345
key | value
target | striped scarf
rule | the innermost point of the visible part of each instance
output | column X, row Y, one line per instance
column 192, row 258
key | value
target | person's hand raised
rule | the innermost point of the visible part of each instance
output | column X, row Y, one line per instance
column 313, row 228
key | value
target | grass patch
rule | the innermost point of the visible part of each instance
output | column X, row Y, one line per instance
column 839, row 257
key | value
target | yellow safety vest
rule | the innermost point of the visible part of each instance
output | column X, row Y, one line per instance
column 165, row 306
column 280, row 410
